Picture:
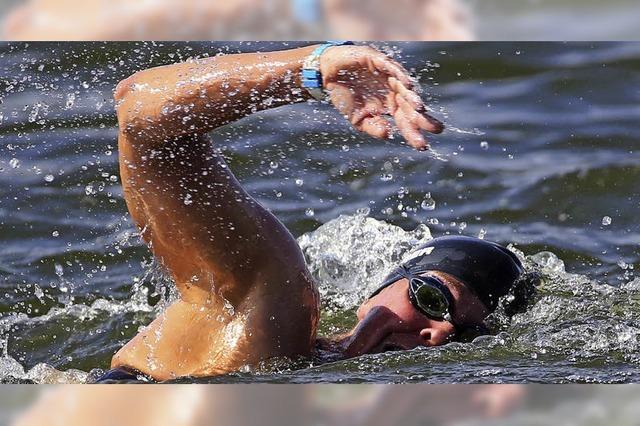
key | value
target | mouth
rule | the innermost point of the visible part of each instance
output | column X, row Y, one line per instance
column 391, row 347
column 399, row 342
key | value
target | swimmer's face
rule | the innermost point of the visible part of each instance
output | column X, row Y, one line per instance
column 406, row 327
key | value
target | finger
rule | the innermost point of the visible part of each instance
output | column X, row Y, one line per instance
column 430, row 124
column 386, row 65
column 410, row 132
column 390, row 101
column 377, row 127
column 342, row 99
column 410, row 96
column 373, row 107
column 421, row 120
column 414, row 107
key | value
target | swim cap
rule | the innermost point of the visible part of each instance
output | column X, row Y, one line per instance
column 487, row 268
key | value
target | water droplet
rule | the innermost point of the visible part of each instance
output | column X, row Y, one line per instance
column 48, row 178
column 90, row 190
column 37, row 291
column 228, row 307
column 299, row 182
column 187, row 200
column 482, row 233
column 386, row 177
column 273, row 164
column 428, row 203
column 268, row 101
column 484, row 145
column 59, row 269
column 71, row 99
column 309, row 213
column 15, row 163
column 606, row 221
column 55, row 234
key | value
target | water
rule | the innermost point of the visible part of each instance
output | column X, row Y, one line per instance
column 541, row 146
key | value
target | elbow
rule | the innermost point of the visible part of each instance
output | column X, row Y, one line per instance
column 129, row 107
column 144, row 109
column 123, row 88
column 123, row 96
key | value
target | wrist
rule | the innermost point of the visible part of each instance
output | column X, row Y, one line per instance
column 311, row 75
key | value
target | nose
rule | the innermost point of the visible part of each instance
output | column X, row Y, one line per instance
column 436, row 336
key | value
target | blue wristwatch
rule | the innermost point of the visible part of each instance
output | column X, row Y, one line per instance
column 311, row 76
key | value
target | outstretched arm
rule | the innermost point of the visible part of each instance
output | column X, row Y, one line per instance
column 159, row 104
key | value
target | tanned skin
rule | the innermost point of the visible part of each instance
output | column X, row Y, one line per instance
column 245, row 292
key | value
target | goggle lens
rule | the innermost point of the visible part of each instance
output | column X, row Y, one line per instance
column 430, row 299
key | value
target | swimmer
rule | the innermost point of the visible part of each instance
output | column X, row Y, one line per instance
column 245, row 294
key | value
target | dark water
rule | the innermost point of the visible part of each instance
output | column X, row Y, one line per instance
column 541, row 152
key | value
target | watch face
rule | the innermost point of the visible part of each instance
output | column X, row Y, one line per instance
column 318, row 94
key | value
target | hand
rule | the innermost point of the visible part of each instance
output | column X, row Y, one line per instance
column 366, row 85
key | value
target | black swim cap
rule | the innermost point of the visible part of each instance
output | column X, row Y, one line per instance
column 487, row 268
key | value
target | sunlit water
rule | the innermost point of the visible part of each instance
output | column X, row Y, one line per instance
column 541, row 153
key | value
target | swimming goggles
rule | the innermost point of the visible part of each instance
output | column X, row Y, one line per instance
column 431, row 297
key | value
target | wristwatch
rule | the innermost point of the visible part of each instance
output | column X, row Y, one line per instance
column 311, row 76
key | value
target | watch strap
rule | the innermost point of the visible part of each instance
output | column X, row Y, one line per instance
column 311, row 76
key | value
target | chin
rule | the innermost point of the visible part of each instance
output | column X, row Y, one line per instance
column 391, row 346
